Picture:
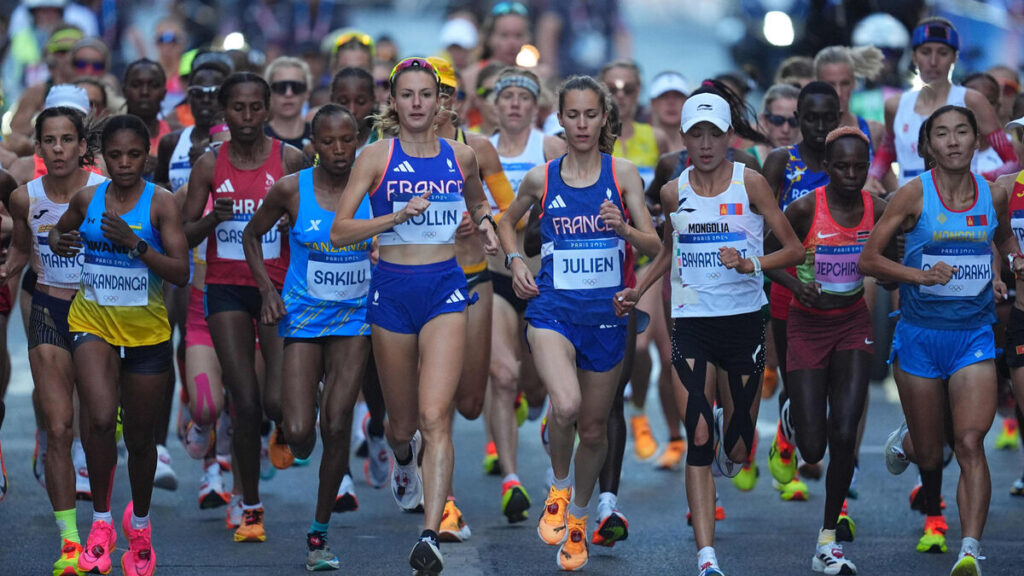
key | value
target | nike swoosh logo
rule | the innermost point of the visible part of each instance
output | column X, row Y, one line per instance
column 823, row 236
column 869, row 341
column 1020, row 194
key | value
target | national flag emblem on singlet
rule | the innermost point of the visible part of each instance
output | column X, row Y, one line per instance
column 730, row 209
column 977, row 220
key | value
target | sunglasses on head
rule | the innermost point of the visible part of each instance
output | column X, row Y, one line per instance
column 95, row 65
column 281, row 87
column 502, row 8
column 421, row 63
column 200, row 91
column 777, row 120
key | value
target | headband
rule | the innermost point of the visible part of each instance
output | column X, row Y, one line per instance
column 936, row 32
column 519, row 82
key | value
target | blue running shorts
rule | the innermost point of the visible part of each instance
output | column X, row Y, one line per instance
column 935, row 353
column 404, row 298
column 598, row 348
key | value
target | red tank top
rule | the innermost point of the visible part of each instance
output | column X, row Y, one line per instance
column 832, row 251
column 40, row 168
column 247, row 188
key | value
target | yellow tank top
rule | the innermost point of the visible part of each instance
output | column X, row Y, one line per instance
column 642, row 147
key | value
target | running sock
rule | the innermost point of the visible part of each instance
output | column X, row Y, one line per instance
column 67, row 524
column 511, row 478
column 826, row 537
column 430, row 535
column 970, row 546
column 608, row 498
column 562, row 483
column 320, row 527
column 252, row 506
column 706, row 556
column 103, row 517
column 577, row 511
column 138, row 523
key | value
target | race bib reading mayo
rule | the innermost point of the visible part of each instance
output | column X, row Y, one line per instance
column 973, row 264
column 835, row 268
column 229, row 239
column 587, row 264
column 698, row 259
column 58, row 269
column 338, row 277
column 437, row 224
column 115, row 282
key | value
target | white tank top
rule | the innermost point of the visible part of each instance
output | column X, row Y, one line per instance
column 43, row 214
column 701, row 285
column 516, row 167
column 907, row 125
column 181, row 165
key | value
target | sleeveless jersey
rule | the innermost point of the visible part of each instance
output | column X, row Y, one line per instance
column 516, row 167
column 962, row 240
column 407, row 176
column 642, row 150
column 581, row 258
column 163, row 129
column 246, row 188
column 120, row 299
column 1017, row 208
column 702, row 225
column 181, row 165
column 799, row 180
column 833, row 251
column 43, row 215
column 906, row 127
column 866, row 129
column 326, row 287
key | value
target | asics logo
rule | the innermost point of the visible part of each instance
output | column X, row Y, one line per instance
column 314, row 225
column 556, row 203
column 823, row 236
column 225, row 188
column 404, row 167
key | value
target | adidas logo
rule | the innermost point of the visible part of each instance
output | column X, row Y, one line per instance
column 225, row 187
column 456, row 297
column 404, row 167
column 557, row 202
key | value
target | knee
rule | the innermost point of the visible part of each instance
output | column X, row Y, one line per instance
column 505, row 377
column 102, row 424
column 59, row 432
column 970, row 444
column 565, row 413
column 811, row 449
column 471, row 405
column 333, row 427
column 594, row 433
column 435, row 420
column 297, row 430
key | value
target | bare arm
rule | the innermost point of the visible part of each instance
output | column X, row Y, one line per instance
column 774, row 170
column 172, row 265
column 366, row 173
column 641, row 232
column 21, row 240
column 476, row 201
column 530, row 191
column 281, row 200
column 902, row 213
column 626, row 300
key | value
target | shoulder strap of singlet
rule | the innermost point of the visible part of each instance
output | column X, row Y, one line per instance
column 738, row 170
column 460, row 136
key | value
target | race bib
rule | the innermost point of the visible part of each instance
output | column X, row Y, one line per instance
column 587, row 264
column 973, row 262
column 436, row 225
column 59, row 269
column 698, row 261
column 229, row 239
column 114, row 282
column 338, row 277
column 1017, row 225
column 835, row 268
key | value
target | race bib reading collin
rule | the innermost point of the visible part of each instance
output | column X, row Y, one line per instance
column 972, row 262
column 436, row 225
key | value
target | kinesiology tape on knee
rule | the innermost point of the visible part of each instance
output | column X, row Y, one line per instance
column 743, row 398
column 697, row 407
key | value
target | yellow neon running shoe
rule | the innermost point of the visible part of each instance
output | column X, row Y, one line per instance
column 67, row 564
column 491, row 465
column 934, row 539
column 514, row 501
column 1009, row 435
column 781, row 458
column 795, row 491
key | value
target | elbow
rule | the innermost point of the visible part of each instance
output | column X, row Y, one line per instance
column 337, row 238
column 795, row 255
column 867, row 264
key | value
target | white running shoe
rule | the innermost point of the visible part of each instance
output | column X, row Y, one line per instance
column 233, row 518
column 377, row 467
column 211, row 488
column 725, row 466
column 895, row 459
column 164, row 477
column 346, row 500
column 359, row 414
column 829, row 559
column 406, row 485
column 83, row 490
column 197, row 441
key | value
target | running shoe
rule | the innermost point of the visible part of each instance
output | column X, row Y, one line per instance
column 197, row 441
column 251, row 529
column 1009, row 435
column 574, row 552
column 770, row 382
column 746, row 479
column 846, row 529
column 522, row 409
column 233, row 516
column 551, row 528
column 852, row 493
column 319, row 556
column 453, row 525
column 829, row 559
column 184, row 418
column 267, row 469
column 223, row 441
column 514, row 501
column 164, row 477
column 83, row 489
column 67, row 564
column 644, row 444
column 211, row 489
column 491, row 465
column 357, row 440
column 95, row 556
column 545, row 440
column 895, row 459
column 346, row 500
column 1017, row 488
column 377, row 467
column 966, row 565
column 794, row 491
column 781, row 458
column 719, row 511
column 3, row 476
column 611, row 529
column 39, row 457
column 722, row 462
column 810, row 471
column 278, row 451
column 672, row 456
column 425, row 558
column 406, row 485
column 140, row 559
column 934, row 538
column 709, row 569
column 917, row 500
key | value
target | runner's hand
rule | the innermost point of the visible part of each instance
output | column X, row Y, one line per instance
column 522, row 280
column 808, row 294
column 1000, row 290
column 940, row 273
column 117, row 231
column 625, row 301
column 69, row 244
column 490, row 237
column 272, row 310
column 731, row 259
column 466, row 227
column 223, row 209
column 417, row 205
column 612, row 217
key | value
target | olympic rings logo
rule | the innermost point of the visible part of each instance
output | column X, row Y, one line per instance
column 429, row 235
column 110, row 299
column 713, row 275
column 591, row 282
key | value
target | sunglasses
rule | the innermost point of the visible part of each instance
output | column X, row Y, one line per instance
column 200, row 91
column 420, row 63
column 95, row 65
column 502, row 8
column 362, row 39
column 776, row 120
column 627, row 89
column 281, row 87
column 167, row 38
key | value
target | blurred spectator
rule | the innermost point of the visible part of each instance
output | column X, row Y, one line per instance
column 638, row 142
column 277, row 27
column 503, row 34
column 458, row 39
column 31, row 26
column 889, row 35
column 668, row 94
column 778, row 120
column 289, row 80
column 483, row 116
column 145, row 85
column 987, row 159
column 1009, row 88
column 353, row 48
column 796, row 71
column 171, row 41
column 579, row 36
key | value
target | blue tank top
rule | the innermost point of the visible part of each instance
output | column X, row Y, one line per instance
column 962, row 240
column 866, row 129
column 799, row 180
column 407, row 176
column 581, row 258
column 325, row 287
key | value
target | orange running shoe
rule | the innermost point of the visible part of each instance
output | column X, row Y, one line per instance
column 644, row 443
column 574, row 552
column 552, row 523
